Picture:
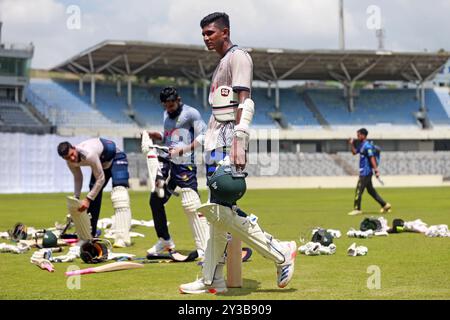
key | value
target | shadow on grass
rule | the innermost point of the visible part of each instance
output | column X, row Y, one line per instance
column 279, row 290
column 250, row 286
column 372, row 213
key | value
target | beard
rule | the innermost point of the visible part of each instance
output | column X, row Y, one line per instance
column 176, row 113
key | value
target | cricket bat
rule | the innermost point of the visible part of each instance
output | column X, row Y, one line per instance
column 381, row 181
column 115, row 266
column 38, row 243
column 234, row 263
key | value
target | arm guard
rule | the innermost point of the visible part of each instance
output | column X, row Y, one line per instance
column 241, row 130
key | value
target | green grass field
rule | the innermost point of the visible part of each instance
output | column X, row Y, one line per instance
column 412, row 265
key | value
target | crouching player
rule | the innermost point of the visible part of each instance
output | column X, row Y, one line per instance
column 106, row 161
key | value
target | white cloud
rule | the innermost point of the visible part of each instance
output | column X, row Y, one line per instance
column 300, row 24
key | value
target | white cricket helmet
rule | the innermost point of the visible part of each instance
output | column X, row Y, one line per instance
column 224, row 96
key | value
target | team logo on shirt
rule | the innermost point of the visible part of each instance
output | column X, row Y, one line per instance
column 225, row 92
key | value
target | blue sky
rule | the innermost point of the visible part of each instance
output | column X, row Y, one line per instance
column 410, row 25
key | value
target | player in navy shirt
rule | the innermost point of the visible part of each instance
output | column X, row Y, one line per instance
column 184, row 130
column 367, row 166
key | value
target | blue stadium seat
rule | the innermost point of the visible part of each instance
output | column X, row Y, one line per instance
column 60, row 102
column 295, row 110
column 436, row 102
column 107, row 101
column 63, row 106
column 374, row 106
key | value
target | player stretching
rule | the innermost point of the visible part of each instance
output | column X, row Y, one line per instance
column 367, row 165
column 227, row 137
column 183, row 131
column 106, row 161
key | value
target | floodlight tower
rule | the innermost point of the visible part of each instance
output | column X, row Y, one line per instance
column 380, row 34
column 341, row 25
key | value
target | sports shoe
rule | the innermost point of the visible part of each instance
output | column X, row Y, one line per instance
column 161, row 246
column 354, row 212
column 120, row 243
column 285, row 271
column 386, row 208
column 198, row 286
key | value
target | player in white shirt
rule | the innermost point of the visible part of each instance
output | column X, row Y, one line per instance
column 106, row 161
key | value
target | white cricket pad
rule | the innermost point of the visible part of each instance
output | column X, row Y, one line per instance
column 152, row 166
column 121, row 204
column 215, row 254
column 246, row 228
column 416, row 226
column 198, row 223
column 82, row 220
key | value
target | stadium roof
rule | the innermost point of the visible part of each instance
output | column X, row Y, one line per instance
column 195, row 62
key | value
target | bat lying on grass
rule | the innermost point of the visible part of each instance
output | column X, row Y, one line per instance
column 175, row 256
column 38, row 242
column 115, row 266
column 171, row 256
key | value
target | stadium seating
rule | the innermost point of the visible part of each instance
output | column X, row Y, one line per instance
column 17, row 117
column 263, row 107
column 409, row 163
column 147, row 105
column 283, row 164
column 295, row 109
column 13, row 114
column 188, row 97
column 376, row 106
column 371, row 107
column 107, row 102
column 323, row 164
column 60, row 102
column 438, row 105
column 63, row 106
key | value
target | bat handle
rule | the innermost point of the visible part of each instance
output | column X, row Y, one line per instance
column 49, row 268
column 70, row 241
column 79, row 272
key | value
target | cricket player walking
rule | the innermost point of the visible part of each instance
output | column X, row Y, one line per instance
column 106, row 161
column 367, row 167
column 226, row 145
column 184, row 131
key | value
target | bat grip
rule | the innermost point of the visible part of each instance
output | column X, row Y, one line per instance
column 49, row 268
